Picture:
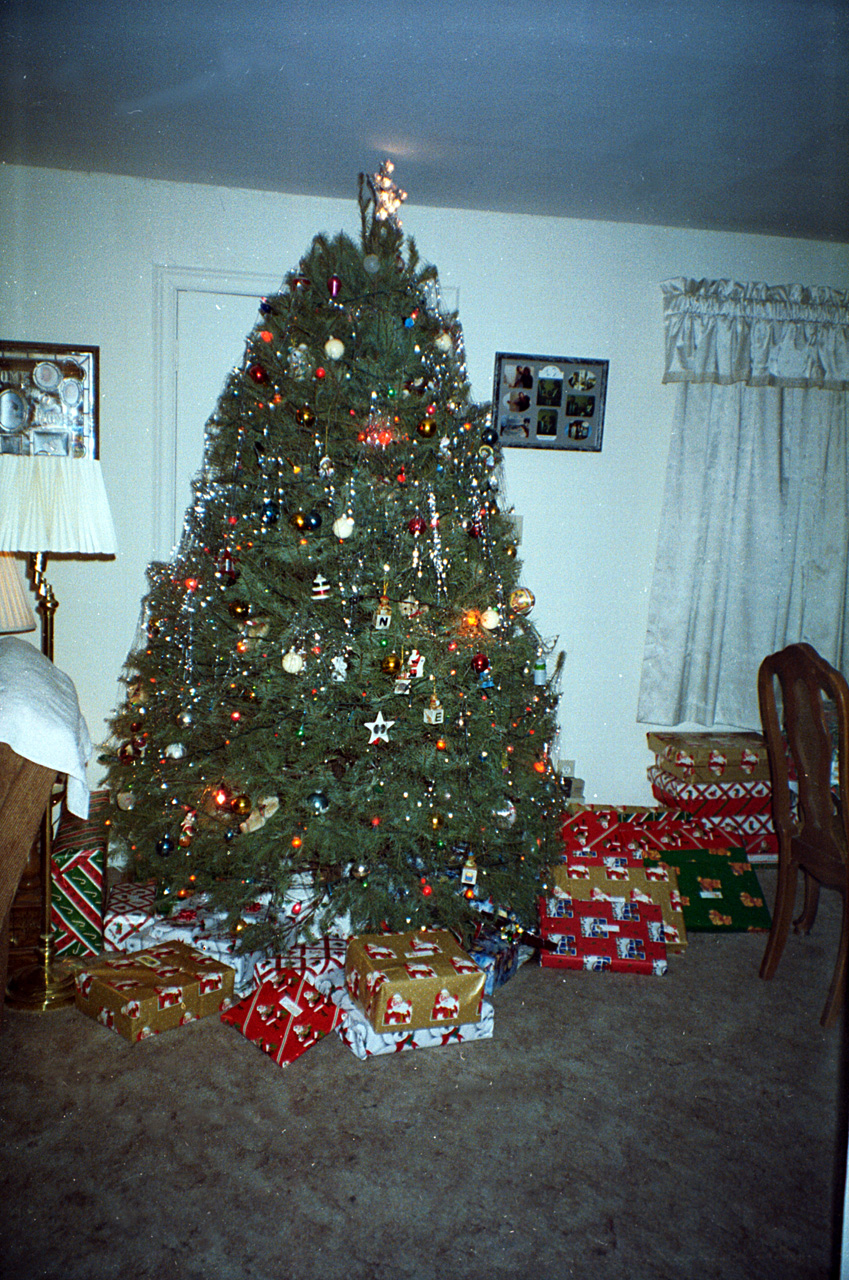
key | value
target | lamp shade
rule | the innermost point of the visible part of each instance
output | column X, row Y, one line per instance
column 15, row 613
column 54, row 505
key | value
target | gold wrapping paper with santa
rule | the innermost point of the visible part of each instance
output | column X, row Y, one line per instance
column 407, row 981
column 142, row 993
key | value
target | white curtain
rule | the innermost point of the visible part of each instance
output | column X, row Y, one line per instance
column 753, row 550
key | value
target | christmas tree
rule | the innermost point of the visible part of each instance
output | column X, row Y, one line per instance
column 338, row 706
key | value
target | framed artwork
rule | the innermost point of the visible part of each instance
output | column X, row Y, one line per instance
column 48, row 400
column 549, row 402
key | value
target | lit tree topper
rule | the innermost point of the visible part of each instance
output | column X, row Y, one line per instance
column 388, row 197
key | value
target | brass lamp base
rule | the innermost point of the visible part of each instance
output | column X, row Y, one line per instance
column 41, row 987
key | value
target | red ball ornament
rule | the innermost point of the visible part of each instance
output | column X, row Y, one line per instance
column 334, row 284
column 257, row 374
column 427, row 890
column 320, row 373
column 417, row 525
column 480, row 662
column 475, row 529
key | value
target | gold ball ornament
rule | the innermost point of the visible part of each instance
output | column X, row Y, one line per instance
column 391, row 664
column 522, row 600
column 427, row 428
column 241, row 805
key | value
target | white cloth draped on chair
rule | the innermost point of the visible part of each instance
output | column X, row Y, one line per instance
column 753, row 549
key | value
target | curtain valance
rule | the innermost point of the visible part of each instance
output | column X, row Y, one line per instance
column 721, row 332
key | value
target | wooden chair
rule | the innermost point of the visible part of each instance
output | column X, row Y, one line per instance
column 813, row 832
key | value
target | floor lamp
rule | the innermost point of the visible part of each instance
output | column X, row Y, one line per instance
column 50, row 506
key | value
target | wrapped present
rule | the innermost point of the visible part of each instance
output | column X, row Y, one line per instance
column 146, row 992
column 720, row 892
column 322, row 959
column 129, row 909
column 284, row 1016
column 499, row 957
column 413, row 980
column 78, row 859
column 743, row 809
column 597, row 936
column 592, row 835
column 711, row 757
column 359, row 1035
column 614, row 877
column 205, row 930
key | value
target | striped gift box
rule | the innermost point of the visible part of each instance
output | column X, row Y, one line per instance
column 77, row 868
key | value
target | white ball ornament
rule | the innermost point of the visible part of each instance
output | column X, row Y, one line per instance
column 443, row 341
column 293, row 662
column 334, row 349
column 490, row 619
column 343, row 527
column 371, row 262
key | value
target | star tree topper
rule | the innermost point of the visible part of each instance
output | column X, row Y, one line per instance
column 379, row 728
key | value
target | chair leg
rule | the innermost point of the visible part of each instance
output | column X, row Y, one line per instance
column 836, row 992
column 785, row 901
column 804, row 922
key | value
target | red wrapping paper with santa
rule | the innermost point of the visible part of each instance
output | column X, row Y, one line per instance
column 408, row 981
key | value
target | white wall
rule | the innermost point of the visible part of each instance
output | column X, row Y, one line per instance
column 78, row 263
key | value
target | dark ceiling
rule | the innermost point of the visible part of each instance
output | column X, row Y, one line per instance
column 715, row 114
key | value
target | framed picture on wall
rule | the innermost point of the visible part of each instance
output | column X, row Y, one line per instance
column 48, row 400
column 549, row 402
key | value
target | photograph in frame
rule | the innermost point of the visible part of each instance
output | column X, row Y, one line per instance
column 48, row 400
column 549, row 402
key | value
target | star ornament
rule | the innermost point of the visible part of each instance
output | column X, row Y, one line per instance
column 379, row 728
column 388, row 197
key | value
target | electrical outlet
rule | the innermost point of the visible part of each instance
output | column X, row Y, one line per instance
column 567, row 768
